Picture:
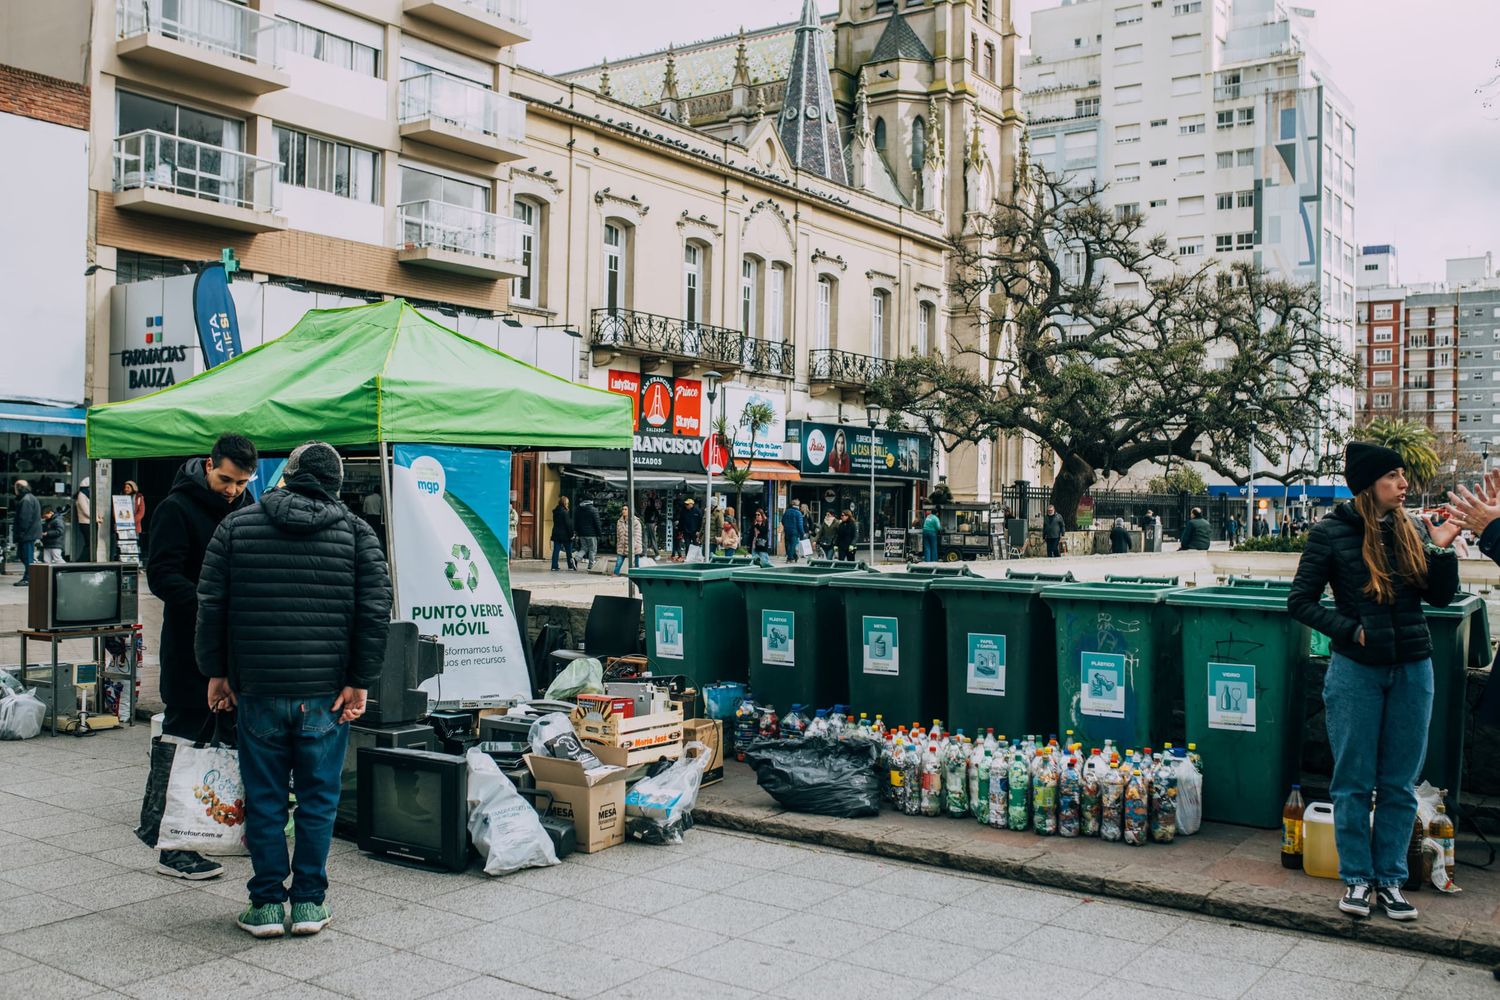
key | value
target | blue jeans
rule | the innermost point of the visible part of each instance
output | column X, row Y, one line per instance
column 566, row 549
column 620, row 563
column 1377, row 729
column 298, row 739
column 929, row 546
column 791, row 539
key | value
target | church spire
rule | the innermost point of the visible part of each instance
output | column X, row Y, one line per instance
column 670, row 101
column 809, row 124
column 604, row 80
column 739, row 103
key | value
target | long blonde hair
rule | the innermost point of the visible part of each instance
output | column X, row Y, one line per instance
column 1411, row 562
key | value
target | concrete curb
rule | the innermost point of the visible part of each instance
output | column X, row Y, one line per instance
column 1434, row 935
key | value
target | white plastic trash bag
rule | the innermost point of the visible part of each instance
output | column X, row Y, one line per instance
column 584, row 675
column 205, row 810
column 21, row 715
column 659, row 809
column 1189, row 798
column 694, row 554
column 505, row 828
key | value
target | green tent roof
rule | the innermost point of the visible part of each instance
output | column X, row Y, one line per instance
column 359, row 376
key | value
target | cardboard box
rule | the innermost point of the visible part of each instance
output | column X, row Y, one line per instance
column 711, row 733
column 594, row 802
column 603, row 705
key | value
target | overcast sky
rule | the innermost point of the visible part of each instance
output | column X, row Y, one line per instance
column 1428, row 151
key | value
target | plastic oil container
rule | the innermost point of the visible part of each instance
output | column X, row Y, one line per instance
column 1320, row 855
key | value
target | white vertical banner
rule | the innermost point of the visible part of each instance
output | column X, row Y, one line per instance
column 451, row 529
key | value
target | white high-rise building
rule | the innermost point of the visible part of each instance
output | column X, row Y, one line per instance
column 1217, row 121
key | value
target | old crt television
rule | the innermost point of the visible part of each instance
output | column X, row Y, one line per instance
column 414, row 808
column 83, row 595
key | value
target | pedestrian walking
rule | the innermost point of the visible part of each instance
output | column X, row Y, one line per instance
column 760, row 538
column 1381, row 563
column 692, row 525
column 932, row 530
column 293, row 609
column 588, row 528
column 628, row 544
column 1052, row 531
column 562, row 534
column 83, row 521
column 203, row 493
column 650, row 519
column 1232, row 529
column 844, row 537
column 1197, row 533
column 26, row 526
column 1119, row 537
column 52, row 536
column 793, row 529
column 729, row 533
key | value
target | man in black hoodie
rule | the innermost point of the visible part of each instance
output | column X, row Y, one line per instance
column 205, row 491
column 302, row 583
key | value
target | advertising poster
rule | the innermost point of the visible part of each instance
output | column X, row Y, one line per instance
column 844, row 450
column 1103, row 685
column 451, row 522
column 986, row 664
column 1231, row 696
column 668, row 629
column 882, row 646
column 778, row 637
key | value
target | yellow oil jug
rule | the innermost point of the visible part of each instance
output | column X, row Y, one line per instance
column 1320, row 855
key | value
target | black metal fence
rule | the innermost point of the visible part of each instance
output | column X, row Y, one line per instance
column 1031, row 503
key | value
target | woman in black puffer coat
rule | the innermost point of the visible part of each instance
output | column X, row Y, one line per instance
column 1381, row 564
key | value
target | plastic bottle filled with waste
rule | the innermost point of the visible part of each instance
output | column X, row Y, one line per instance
column 837, row 721
column 894, row 761
column 955, row 775
column 819, row 724
column 1112, row 803
column 746, row 725
column 1163, row 805
column 794, row 723
column 999, row 787
column 769, row 723
column 1194, row 757
column 1089, row 800
column 911, row 779
column 1440, row 829
column 979, row 791
column 1135, row 823
column 1018, row 806
column 990, row 743
column 1070, row 800
column 1044, row 795
column 879, row 724
column 973, row 751
column 932, row 782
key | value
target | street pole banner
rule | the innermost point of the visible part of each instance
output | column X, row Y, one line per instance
column 214, row 314
column 451, row 525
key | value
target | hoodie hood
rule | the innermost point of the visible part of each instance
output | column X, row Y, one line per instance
column 192, row 481
column 301, row 507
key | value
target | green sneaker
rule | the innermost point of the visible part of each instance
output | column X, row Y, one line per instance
column 266, row 921
column 309, row 918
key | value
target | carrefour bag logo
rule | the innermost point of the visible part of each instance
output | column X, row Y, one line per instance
column 430, row 478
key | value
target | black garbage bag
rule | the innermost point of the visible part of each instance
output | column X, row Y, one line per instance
column 154, row 802
column 821, row 776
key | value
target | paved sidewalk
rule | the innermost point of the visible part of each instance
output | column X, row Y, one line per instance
column 724, row 915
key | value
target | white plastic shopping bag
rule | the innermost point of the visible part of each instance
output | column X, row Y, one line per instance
column 21, row 715
column 205, row 809
column 804, row 548
column 505, row 828
column 694, row 554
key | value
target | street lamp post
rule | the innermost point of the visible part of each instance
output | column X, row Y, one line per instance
column 711, row 390
column 872, row 412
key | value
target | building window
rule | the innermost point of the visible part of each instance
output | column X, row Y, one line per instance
column 749, row 292
column 1085, row 106
column 823, row 324
column 1130, row 14
column 1224, row 161
column 1187, row 165
column 986, row 12
column 1223, row 243
column 918, row 143
column 1382, row 400
column 1190, row 7
column 1223, row 201
column 1157, row 203
column 523, row 286
column 974, row 51
column 1129, row 94
column 1244, row 199
column 1384, row 311
column 878, row 303
column 1182, row 86
column 1223, row 119
column 1382, row 356
column 1244, row 241
column 880, row 134
column 1245, row 116
column 1190, row 246
column 1128, row 211
column 1159, row 163
column 1126, row 173
column 1380, row 378
column 1384, row 336
column 926, row 317
column 1191, row 125
column 1125, row 134
column 614, row 267
column 1186, row 45
column 1192, row 205
column 325, row 46
column 1244, row 158
column 309, row 161
column 776, row 304
column 1158, row 122
column 1129, row 55
column 989, row 61
column 694, row 301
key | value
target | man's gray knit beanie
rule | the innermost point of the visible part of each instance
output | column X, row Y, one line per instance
column 320, row 460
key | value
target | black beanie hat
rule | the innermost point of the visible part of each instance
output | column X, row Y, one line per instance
column 1364, row 463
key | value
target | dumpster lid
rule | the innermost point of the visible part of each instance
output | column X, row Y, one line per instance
column 1129, row 590
column 811, row 574
column 693, row 572
column 1160, row 581
column 1462, row 606
column 1254, row 598
column 876, row 580
column 1258, row 583
column 1011, row 583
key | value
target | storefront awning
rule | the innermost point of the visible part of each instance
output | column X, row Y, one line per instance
column 767, row 470
column 28, row 418
column 616, row 477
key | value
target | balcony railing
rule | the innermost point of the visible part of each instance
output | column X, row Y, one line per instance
column 436, row 225
column 769, row 357
column 1254, row 87
column 844, row 367
column 149, row 159
column 667, row 336
column 465, row 105
column 518, row 11
column 220, row 26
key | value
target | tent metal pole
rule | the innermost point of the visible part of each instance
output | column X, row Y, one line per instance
column 630, row 519
column 385, row 505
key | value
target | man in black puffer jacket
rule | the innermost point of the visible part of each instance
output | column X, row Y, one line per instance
column 303, row 584
column 204, row 492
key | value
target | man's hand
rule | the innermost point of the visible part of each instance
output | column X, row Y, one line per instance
column 352, row 702
column 220, row 697
column 1472, row 510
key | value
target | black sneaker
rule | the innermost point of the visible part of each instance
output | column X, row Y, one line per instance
column 189, row 865
column 1356, row 900
column 1394, row 904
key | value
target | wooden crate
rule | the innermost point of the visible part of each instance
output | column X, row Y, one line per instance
column 644, row 738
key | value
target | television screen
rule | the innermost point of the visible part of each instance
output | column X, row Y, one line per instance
column 407, row 804
column 84, row 596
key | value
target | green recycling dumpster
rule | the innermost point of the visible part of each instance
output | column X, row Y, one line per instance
column 1243, row 662
column 1119, row 661
column 1002, row 658
column 894, row 642
column 695, row 618
column 1460, row 640
column 794, row 624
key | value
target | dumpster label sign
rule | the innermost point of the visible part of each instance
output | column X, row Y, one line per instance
column 882, row 646
column 778, row 637
column 1231, row 697
column 1102, row 685
column 669, row 631
column 986, row 664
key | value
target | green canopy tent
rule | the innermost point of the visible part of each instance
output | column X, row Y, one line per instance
column 361, row 376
